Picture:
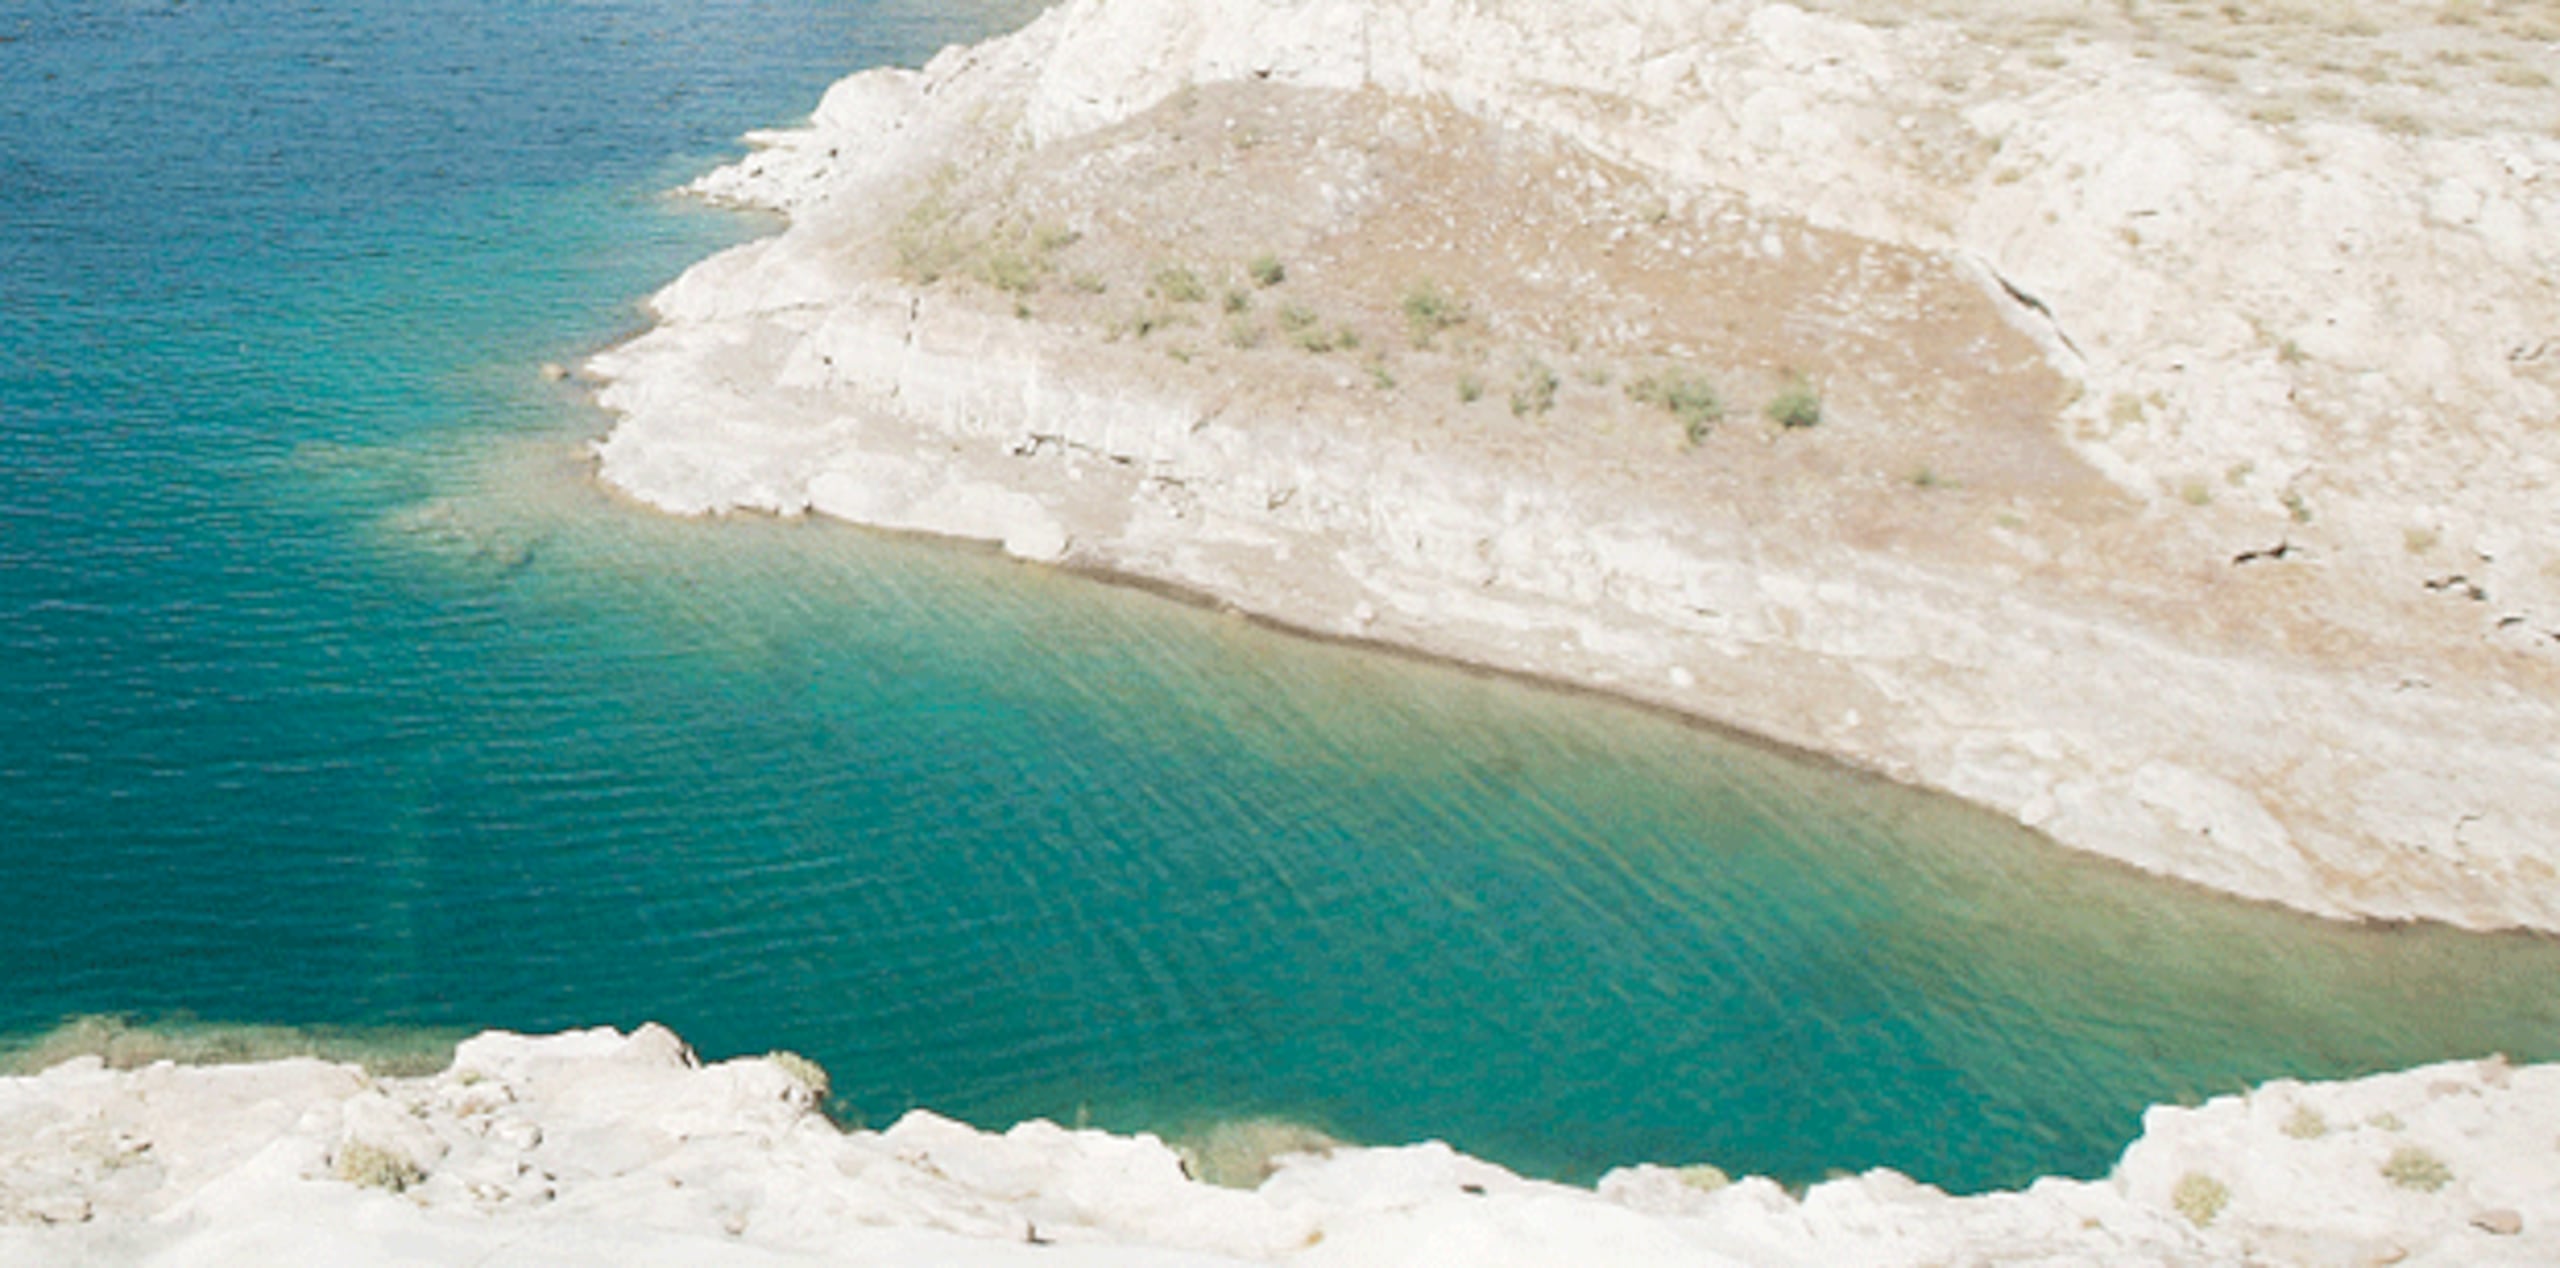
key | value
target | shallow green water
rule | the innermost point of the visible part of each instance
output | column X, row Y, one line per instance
column 333, row 693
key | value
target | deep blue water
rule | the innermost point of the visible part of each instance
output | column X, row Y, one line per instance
column 332, row 692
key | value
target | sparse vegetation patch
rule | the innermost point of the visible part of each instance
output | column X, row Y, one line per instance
column 1180, row 285
column 1428, row 311
column 374, row 1167
column 2199, row 1197
column 926, row 242
column 805, row 1072
column 1009, row 271
column 1690, row 398
column 1535, row 393
column 1307, row 330
column 1796, row 406
column 1053, row 238
column 2411, row 1167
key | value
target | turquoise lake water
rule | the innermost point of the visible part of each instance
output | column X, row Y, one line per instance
column 333, row 693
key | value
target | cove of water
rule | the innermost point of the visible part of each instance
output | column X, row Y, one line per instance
column 334, row 693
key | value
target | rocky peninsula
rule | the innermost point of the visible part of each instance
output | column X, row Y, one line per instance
column 2138, row 420
column 615, row 1150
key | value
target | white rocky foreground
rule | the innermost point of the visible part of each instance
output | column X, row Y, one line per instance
column 2190, row 379
column 596, row 1148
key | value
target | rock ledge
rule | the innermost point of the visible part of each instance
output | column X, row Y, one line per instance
column 599, row 1148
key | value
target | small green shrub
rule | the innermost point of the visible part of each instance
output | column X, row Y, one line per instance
column 923, row 260
column 2199, row 1197
column 1317, row 339
column 1146, row 322
column 1244, row 333
column 1380, row 377
column 1690, row 398
column 1180, row 285
column 1238, row 299
column 925, row 242
column 1470, row 387
column 1010, row 272
column 1307, row 331
column 374, row 1167
column 1797, row 406
column 2306, row 1124
column 2411, row 1167
column 1428, row 310
column 1266, row 270
column 805, row 1072
column 1536, row 391
column 1241, row 1155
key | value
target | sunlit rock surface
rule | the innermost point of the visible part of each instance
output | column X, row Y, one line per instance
column 599, row 1148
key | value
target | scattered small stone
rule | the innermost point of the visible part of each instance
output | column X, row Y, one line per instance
column 2283, row 549
column 2458, row 584
column 2503, row 1221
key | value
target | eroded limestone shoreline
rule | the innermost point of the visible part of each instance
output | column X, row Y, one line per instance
column 2141, row 509
column 601, row 1148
